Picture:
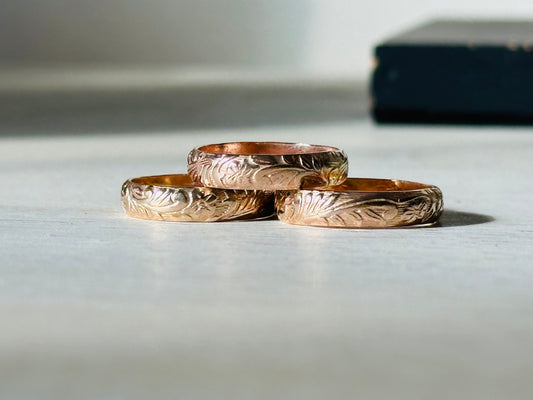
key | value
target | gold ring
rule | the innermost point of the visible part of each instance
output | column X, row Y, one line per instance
column 266, row 165
column 362, row 203
column 177, row 198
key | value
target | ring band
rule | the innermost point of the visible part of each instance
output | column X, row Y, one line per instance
column 177, row 198
column 362, row 203
column 266, row 165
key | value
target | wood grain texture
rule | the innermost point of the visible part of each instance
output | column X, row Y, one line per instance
column 94, row 304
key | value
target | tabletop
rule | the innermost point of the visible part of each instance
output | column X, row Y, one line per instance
column 95, row 304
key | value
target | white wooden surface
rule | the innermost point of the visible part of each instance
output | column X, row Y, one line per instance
column 97, row 305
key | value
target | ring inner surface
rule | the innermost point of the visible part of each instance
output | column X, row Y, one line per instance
column 265, row 148
column 181, row 180
column 372, row 185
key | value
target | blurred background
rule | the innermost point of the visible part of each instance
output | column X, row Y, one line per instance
column 76, row 65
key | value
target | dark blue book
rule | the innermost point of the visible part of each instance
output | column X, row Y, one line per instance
column 456, row 71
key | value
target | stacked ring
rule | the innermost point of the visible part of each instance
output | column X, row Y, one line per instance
column 266, row 165
column 303, row 184
column 362, row 203
column 177, row 198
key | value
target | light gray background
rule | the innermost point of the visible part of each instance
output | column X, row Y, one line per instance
column 326, row 37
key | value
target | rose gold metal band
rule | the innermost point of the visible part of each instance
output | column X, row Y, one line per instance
column 362, row 203
column 177, row 198
column 266, row 165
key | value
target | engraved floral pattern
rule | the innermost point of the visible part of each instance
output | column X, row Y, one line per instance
column 259, row 171
column 343, row 209
column 193, row 204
